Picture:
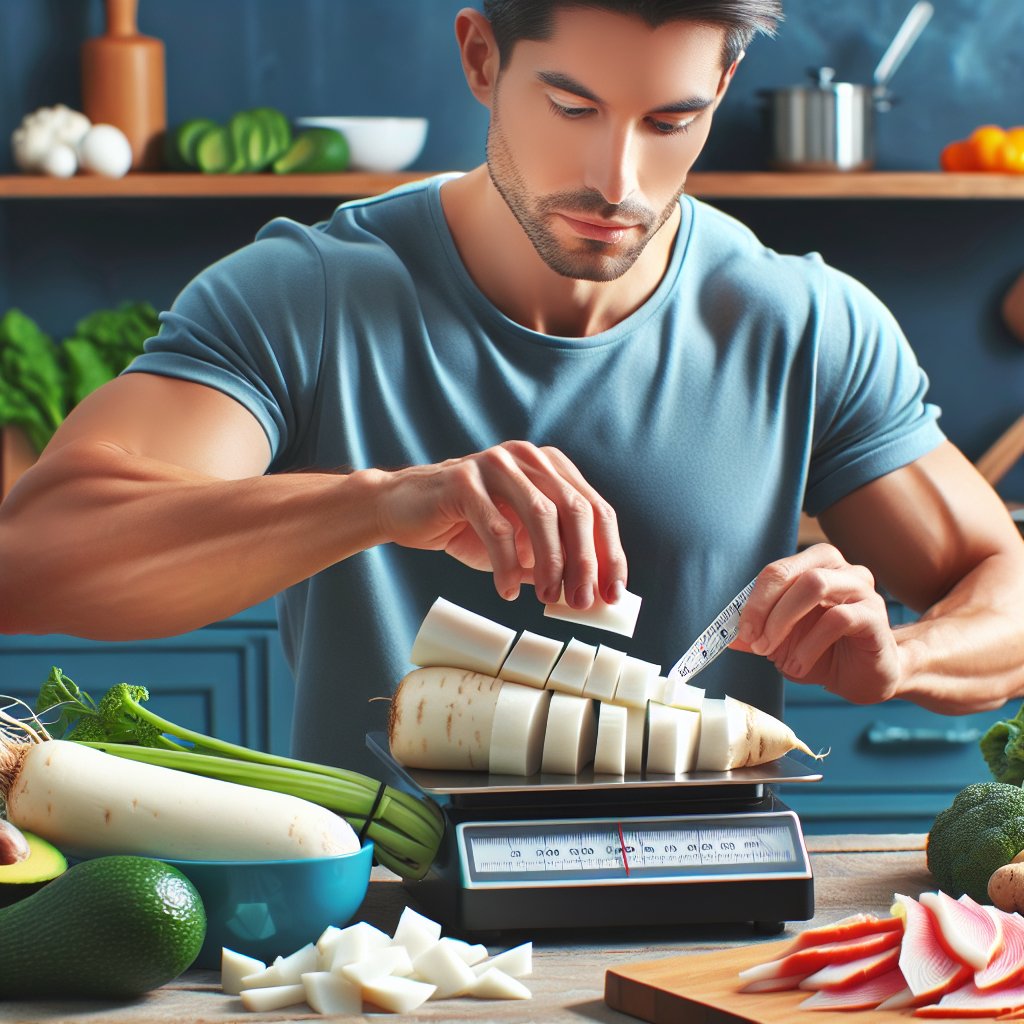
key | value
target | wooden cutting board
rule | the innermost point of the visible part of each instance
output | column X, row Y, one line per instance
column 702, row 988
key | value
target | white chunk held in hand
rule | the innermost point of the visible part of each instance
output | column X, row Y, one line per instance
column 619, row 617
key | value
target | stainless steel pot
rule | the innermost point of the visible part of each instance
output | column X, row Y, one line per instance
column 827, row 126
column 830, row 125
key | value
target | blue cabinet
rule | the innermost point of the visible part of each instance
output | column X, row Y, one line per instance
column 229, row 679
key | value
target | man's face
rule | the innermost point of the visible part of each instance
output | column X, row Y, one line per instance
column 594, row 130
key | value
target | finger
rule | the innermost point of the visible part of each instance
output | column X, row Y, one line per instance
column 536, row 513
column 612, row 569
column 814, row 589
column 860, row 621
column 772, row 583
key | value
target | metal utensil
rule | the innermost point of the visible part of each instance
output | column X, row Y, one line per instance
column 716, row 638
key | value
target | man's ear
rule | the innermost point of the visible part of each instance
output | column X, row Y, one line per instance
column 726, row 78
column 479, row 52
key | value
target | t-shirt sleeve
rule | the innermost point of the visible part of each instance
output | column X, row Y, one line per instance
column 251, row 325
column 871, row 413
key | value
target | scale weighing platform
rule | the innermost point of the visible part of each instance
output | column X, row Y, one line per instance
column 559, row 851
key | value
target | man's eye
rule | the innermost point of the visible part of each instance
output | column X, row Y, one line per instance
column 670, row 127
column 573, row 113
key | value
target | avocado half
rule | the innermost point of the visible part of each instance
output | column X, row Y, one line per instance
column 43, row 864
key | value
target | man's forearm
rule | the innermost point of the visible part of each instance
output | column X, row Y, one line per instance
column 99, row 543
column 966, row 653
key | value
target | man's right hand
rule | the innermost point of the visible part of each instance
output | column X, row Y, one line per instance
column 524, row 513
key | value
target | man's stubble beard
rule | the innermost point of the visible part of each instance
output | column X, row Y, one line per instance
column 590, row 260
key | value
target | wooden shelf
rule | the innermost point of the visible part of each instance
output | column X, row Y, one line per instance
column 708, row 184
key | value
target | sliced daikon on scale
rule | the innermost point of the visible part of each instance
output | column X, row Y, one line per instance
column 397, row 995
column 619, row 617
column 442, row 967
column 380, row 962
column 517, row 734
column 571, row 735
column 635, row 682
column 516, row 962
column 331, row 992
column 610, row 751
column 636, row 739
column 458, row 638
column 531, row 660
column 276, row 997
column 496, row 984
column 604, row 673
column 678, row 694
column 236, row 966
column 442, row 718
column 416, row 932
column 673, row 738
column 572, row 669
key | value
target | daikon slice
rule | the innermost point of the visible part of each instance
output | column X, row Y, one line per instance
column 496, row 984
column 397, row 995
column 635, row 682
column 604, row 674
column 673, row 737
column 455, row 637
column 682, row 695
column 442, row 718
column 619, row 617
column 442, row 967
column 236, row 966
column 971, row 935
column 930, row 971
column 378, row 964
column 416, row 932
column 517, row 734
column 610, row 753
column 571, row 735
column 262, row 1000
column 572, row 669
column 516, row 962
column 330, row 993
column 1006, row 964
column 531, row 660
column 636, row 739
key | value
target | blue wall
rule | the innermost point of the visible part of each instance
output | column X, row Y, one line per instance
column 941, row 266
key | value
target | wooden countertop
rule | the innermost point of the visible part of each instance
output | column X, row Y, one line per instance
column 852, row 873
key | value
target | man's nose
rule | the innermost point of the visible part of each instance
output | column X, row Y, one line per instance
column 612, row 165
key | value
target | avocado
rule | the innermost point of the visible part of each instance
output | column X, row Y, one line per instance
column 43, row 864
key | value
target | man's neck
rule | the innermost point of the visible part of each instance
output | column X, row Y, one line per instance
column 505, row 266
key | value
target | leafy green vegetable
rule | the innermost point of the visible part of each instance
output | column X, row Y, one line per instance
column 982, row 830
column 40, row 382
column 406, row 830
column 1002, row 746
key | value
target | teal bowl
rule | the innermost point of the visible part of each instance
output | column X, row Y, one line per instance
column 270, row 908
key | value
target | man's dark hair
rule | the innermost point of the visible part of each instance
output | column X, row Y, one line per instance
column 512, row 20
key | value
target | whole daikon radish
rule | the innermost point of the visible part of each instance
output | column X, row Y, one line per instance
column 89, row 803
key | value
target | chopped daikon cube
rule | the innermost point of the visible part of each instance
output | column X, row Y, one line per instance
column 236, row 966
column 516, row 962
column 442, row 967
column 329, row 992
column 397, row 995
column 378, row 964
column 496, row 984
column 416, row 932
column 276, row 997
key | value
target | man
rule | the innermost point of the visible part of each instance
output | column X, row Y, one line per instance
column 538, row 367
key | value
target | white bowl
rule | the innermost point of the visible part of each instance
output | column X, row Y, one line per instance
column 378, row 144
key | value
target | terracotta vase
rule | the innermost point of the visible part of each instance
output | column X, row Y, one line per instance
column 124, row 83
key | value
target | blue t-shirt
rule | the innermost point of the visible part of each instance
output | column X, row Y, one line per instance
column 749, row 386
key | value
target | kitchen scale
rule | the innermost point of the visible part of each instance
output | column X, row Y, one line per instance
column 559, row 851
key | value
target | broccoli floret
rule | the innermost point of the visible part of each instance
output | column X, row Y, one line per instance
column 982, row 830
column 60, row 691
column 120, row 720
column 1002, row 746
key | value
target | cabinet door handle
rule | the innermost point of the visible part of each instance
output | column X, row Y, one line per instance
column 881, row 735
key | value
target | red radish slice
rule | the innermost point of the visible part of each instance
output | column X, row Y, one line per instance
column 967, row 932
column 930, row 971
column 900, row 1001
column 865, row 995
column 846, row 928
column 970, row 1001
column 774, row 984
column 1009, row 961
column 853, row 971
column 814, row 958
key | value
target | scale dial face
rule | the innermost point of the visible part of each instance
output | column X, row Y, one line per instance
column 632, row 851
